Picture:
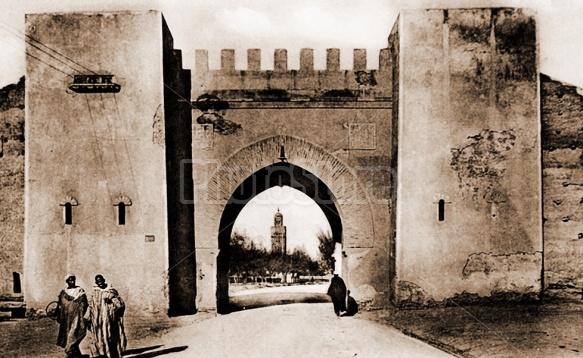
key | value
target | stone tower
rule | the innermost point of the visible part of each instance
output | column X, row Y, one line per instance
column 278, row 234
column 475, row 131
column 101, row 167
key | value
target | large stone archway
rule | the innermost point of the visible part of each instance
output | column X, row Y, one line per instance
column 248, row 168
column 278, row 174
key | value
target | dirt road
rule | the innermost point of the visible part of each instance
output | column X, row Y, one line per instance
column 297, row 330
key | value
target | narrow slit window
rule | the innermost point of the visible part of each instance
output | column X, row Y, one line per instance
column 16, row 285
column 122, row 202
column 441, row 210
column 68, row 214
column 121, row 214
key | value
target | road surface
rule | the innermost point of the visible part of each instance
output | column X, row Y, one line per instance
column 295, row 330
column 300, row 330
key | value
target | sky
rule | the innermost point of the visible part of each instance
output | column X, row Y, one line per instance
column 301, row 216
column 294, row 24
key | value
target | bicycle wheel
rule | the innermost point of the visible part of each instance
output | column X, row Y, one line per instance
column 52, row 310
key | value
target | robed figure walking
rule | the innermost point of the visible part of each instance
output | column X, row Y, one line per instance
column 105, row 316
column 71, row 309
column 337, row 291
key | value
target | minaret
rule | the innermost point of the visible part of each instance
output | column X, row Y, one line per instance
column 278, row 234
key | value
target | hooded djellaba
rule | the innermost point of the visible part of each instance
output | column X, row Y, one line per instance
column 337, row 292
column 71, row 309
column 105, row 315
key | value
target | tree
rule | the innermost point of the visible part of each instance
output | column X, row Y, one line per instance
column 236, row 254
column 248, row 258
column 300, row 260
column 326, row 246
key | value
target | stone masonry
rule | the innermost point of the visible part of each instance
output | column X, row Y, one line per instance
column 428, row 167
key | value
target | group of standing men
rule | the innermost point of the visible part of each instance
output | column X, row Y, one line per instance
column 100, row 318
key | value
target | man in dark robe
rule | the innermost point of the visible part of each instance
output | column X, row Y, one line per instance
column 105, row 315
column 71, row 309
column 337, row 291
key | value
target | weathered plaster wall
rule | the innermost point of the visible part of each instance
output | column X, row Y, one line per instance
column 11, row 185
column 562, row 122
column 96, row 149
column 465, row 130
column 469, row 106
column 328, row 123
column 469, row 137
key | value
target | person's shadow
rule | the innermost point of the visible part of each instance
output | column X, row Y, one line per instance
column 143, row 352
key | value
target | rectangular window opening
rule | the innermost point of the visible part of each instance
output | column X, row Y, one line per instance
column 68, row 214
column 16, row 285
column 441, row 210
column 121, row 214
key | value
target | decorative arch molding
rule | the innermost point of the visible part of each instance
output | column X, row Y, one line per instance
column 440, row 196
column 347, row 190
column 68, row 200
column 122, row 199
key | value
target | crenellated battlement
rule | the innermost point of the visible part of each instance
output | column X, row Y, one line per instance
column 305, row 83
column 281, row 60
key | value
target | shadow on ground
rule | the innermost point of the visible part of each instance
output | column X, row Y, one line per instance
column 141, row 350
column 154, row 353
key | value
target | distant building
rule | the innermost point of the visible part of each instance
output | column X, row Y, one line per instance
column 278, row 234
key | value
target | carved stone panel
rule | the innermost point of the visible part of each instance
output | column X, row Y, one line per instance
column 362, row 135
column 203, row 136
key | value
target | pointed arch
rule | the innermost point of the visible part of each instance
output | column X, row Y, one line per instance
column 257, row 167
column 347, row 193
